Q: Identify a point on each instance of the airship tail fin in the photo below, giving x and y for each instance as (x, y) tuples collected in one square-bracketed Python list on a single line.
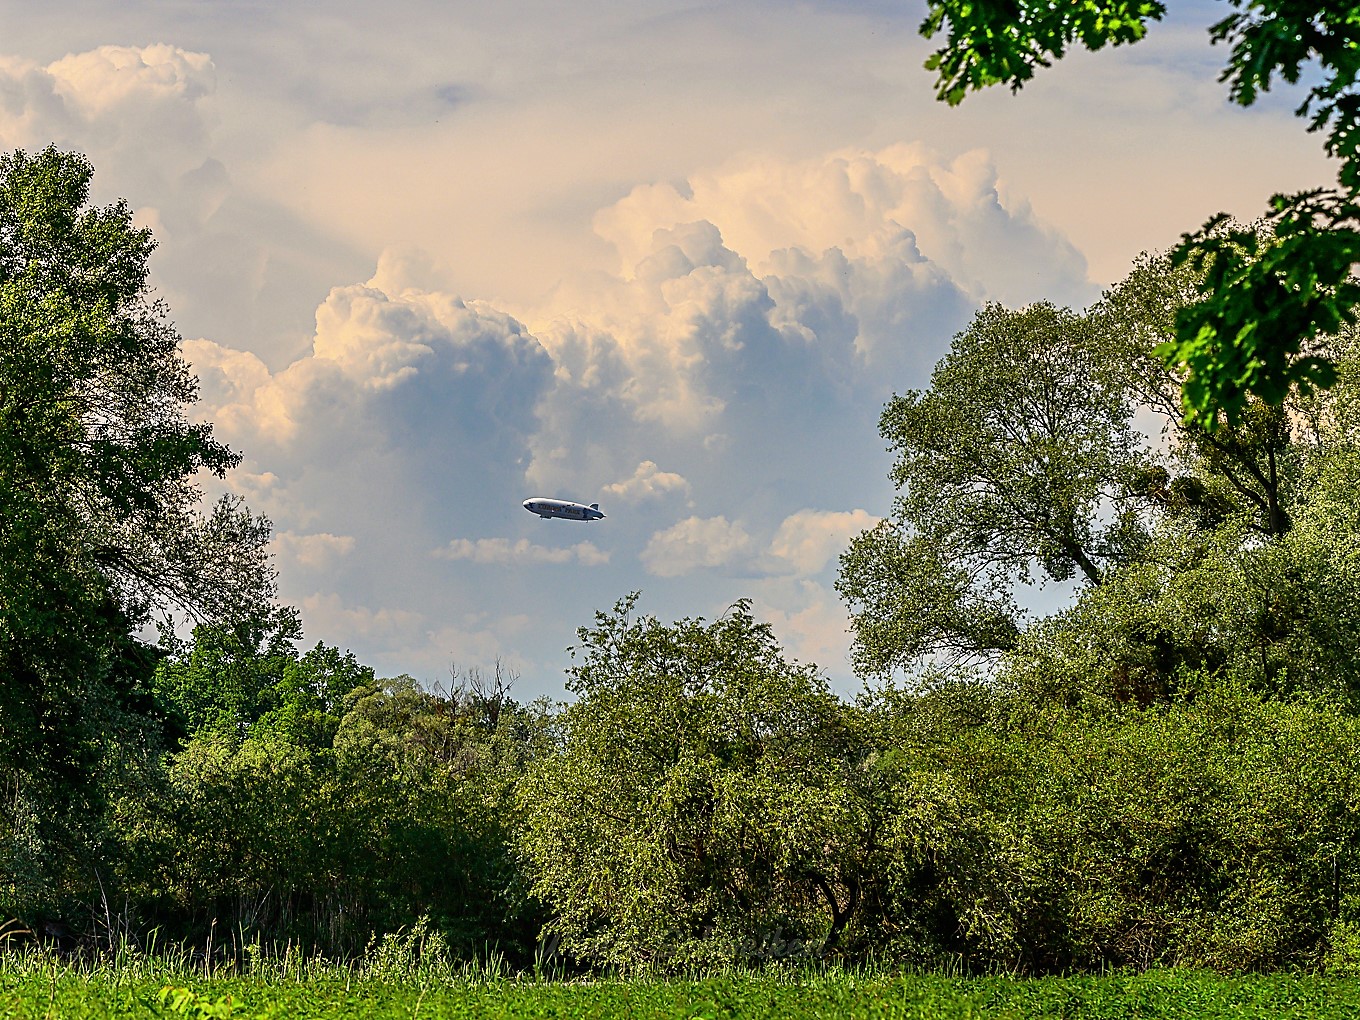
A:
[(594, 506)]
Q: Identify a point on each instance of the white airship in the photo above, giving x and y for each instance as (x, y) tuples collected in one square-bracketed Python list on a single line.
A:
[(564, 508)]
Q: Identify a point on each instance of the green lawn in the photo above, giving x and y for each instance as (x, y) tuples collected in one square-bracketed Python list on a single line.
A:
[(65, 993)]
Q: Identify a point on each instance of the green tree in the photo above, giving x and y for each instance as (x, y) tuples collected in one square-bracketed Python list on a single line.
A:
[(1025, 828), (705, 806), (1016, 461), (1252, 464), (309, 701), (1203, 834), (428, 781), (94, 436), (1247, 572), (228, 674), (1277, 616), (1264, 295), (99, 519), (1021, 458), (911, 599), (322, 823)]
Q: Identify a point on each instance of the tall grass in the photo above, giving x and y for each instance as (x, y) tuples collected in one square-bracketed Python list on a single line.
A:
[(411, 973), (418, 954)]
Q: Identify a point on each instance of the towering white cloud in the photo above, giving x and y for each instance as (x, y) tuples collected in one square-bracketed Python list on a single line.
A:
[(776, 294), (382, 353), (408, 421), (902, 204), (659, 289), (145, 107), (100, 81), (419, 419)]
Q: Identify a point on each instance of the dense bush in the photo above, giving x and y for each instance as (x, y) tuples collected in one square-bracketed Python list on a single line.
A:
[(1215, 832), (325, 818), (705, 806)]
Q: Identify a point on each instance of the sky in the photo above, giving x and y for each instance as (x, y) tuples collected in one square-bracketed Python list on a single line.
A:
[(432, 259)]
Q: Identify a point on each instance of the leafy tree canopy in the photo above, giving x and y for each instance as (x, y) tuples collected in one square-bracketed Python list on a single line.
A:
[(1021, 463), (97, 457), (99, 520), (700, 808), (1014, 463), (1263, 294)]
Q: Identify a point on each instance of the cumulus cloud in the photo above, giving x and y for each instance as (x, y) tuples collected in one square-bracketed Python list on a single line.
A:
[(810, 539), (384, 628), (139, 104), (776, 294), (233, 386), (708, 346), (380, 347), (694, 544), (314, 551), (750, 360), (657, 341), (98, 81), (503, 551), (810, 623), (864, 204), (164, 127), (408, 418), (649, 482), (747, 351)]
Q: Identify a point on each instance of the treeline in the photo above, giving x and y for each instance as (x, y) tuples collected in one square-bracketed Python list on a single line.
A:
[(1165, 772), (705, 802)]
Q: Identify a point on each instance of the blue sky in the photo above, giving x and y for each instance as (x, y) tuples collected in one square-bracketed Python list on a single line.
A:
[(430, 259)]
